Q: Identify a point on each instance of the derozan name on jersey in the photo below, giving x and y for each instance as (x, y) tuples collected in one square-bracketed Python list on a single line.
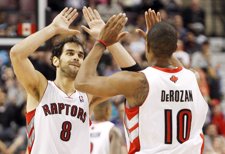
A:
[(176, 96), (67, 109)]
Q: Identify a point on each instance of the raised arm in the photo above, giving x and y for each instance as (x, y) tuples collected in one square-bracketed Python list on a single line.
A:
[(151, 18), (95, 23), (125, 83), (33, 81)]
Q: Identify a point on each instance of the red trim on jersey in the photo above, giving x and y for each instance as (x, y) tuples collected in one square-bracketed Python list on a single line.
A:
[(134, 146), (29, 149), (134, 127), (30, 115), (168, 70), (131, 112), (202, 148)]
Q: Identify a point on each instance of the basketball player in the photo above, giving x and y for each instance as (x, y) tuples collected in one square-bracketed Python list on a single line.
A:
[(58, 114), (105, 137), (165, 110)]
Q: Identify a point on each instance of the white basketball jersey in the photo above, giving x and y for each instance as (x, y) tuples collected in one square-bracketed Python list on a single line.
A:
[(60, 123), (171, 118), (99, 136)]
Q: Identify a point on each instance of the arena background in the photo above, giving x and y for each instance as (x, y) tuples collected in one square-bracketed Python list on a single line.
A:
[(201, 45)]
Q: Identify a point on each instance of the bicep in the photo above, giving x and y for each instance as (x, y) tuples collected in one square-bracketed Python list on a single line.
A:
[(33, 81)]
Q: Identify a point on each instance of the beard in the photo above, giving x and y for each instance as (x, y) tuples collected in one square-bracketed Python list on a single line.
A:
[(69, 71)]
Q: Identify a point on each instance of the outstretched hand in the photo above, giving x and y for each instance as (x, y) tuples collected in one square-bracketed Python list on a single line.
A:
[(151, 18), (63, 20), (94, 21), (112, 31)]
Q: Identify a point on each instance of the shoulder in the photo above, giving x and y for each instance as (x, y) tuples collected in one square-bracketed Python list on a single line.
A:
[(136, 86), (129, 81), (128, 76)]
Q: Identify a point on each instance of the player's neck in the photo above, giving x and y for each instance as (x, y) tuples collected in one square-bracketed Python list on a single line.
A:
[(162, 62), (65, 84)]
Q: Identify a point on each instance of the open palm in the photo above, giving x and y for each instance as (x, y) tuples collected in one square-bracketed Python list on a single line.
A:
[(112, 31), (94, 22), (63, 20), (151, 18)]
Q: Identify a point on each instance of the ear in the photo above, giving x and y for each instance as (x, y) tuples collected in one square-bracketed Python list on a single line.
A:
[(55, 61)]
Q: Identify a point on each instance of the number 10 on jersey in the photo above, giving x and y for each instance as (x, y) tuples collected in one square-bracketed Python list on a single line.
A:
[(182, 125)]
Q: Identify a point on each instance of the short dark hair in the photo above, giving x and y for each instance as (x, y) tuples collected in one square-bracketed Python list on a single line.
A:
[(57, 47), (162, 39)]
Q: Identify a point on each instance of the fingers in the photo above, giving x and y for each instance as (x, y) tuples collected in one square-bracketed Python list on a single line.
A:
[(117, 22), (72, 15), (85, 13), (154, 18), (121, 35), (64, 11), (116, 25), (121, 20), (97, 15), (147, 20), (90, 14), (86, 29), (141, 32), (159, 17), (151, 18), (69, 14), (109, 22), (111, 33)]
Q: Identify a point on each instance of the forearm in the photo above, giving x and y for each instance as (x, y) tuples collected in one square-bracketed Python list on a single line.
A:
[(121, 56), (89, 66), (30, 44)]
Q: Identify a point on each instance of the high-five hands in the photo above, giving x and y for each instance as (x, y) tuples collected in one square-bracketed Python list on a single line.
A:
[(112, 31), (151, 18), (63, 20), (94, 21)]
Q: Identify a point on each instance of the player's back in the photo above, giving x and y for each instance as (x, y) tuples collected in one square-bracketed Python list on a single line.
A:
[(99, 137), (59, 124), (170, 120)]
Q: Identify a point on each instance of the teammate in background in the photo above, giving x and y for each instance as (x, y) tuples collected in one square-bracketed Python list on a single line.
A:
[(105, 137), (165, 110), (57, 114)]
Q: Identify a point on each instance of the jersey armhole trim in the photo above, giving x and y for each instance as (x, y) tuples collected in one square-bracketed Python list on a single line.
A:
[(29, 115)]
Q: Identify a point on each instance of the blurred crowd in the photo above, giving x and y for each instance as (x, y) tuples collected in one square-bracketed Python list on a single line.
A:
[(193, 50)]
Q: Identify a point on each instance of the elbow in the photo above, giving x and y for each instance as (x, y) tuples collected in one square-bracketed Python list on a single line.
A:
[(13, 53)]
